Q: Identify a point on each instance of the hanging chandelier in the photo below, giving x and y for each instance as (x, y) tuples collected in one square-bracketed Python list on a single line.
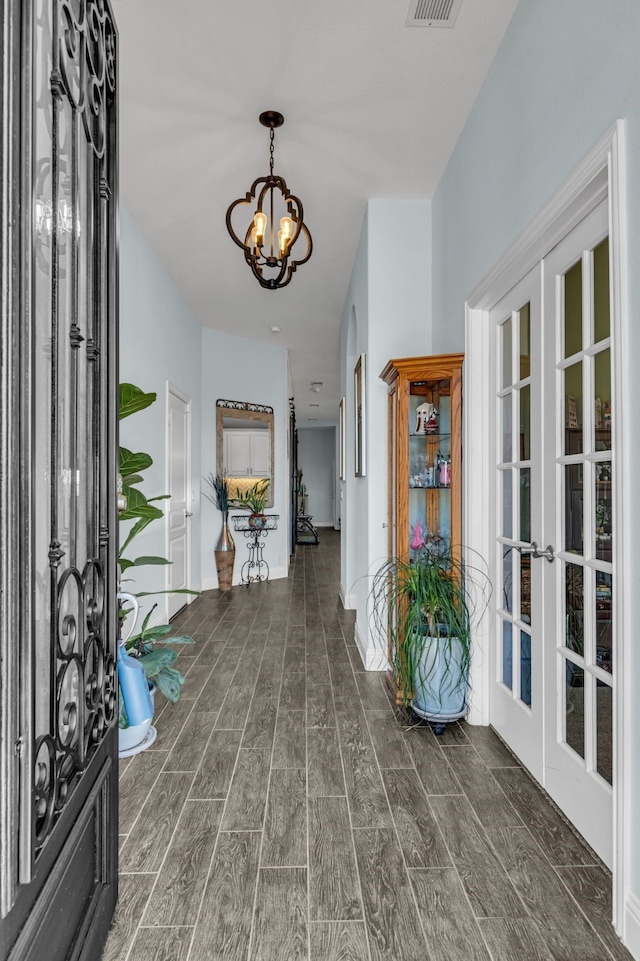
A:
[(268, 249)]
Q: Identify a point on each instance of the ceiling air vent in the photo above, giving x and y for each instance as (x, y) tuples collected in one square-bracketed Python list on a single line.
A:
[(433, 13)]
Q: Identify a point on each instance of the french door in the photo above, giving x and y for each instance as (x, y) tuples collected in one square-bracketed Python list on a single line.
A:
[(553, 656), (58, 520)]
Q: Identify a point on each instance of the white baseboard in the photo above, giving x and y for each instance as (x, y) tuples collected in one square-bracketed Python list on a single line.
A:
[(348, 601), (632, 925), (373, 660), (275, 573)]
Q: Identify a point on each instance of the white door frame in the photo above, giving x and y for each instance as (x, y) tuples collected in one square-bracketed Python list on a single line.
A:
[(600, 176), (172, 389)]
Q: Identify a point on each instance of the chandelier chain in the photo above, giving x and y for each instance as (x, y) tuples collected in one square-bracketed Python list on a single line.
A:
[(271, 149)]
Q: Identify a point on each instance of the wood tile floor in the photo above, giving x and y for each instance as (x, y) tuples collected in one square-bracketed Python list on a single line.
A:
[(285, 814)]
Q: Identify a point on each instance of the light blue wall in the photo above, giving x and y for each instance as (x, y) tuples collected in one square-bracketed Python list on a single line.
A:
[(234, 368), (387, 314), (563, 74), (316, 459), (159, 344), (566, 70)]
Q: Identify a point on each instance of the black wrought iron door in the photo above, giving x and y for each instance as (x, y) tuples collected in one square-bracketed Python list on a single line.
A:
[(58, 439)]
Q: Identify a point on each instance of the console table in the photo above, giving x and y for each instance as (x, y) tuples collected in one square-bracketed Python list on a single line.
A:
[(255, 568)]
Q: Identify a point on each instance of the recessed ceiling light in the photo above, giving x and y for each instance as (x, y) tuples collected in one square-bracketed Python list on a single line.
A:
[(317, 383), (314, 405), (316, 390), (312, 418), (274, 330)]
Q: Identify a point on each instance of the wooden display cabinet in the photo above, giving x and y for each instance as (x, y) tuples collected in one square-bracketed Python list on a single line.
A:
[(425, 452)]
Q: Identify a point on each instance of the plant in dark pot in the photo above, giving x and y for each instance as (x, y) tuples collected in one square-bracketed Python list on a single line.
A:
[(424, 608), (254, 500), (225, 549)]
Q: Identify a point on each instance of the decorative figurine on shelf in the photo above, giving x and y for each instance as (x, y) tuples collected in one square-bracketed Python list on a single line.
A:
[(417, 536), (426, 419)]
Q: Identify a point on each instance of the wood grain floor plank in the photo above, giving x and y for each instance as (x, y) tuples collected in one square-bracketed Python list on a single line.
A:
[(449, 926), (169, 722), (563, 926), (591, 888), (485, 880), (290, 746), (247, 797), (365, 791), (146, 846), (213, 776), (235, 707), (213, 693), (509, 940), (371, 689), (293, 693), (320, 711), (487, 798), (162, 944), (223, 929), (191, 744), (388, 738), (333, 879), (420, 838), (261, 723), (343, 681), (430, 762), (394, 931), (491, 749), (324, 766), (135, 785), (280, 926), (176, 896), (285, 827), (558, 841), (133, 893), (338, 941)]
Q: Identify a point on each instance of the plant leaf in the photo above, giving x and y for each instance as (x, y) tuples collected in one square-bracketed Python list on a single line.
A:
[(155, 660), (132, 462), (135, 498), (143, 511), (169, 680), (137, 527), (132, 399)]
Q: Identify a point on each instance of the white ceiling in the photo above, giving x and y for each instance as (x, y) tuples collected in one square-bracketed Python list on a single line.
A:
[(372, 109)]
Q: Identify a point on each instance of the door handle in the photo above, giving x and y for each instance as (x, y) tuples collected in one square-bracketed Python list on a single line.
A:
[(188, 514), (534, 551)]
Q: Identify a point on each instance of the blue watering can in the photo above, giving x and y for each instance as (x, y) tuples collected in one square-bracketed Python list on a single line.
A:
[(131, 676)]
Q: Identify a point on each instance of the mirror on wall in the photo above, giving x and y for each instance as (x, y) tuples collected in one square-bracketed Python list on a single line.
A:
[(244, 435)]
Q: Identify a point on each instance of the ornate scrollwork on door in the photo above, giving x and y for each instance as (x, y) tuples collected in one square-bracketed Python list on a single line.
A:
[(85, 702)]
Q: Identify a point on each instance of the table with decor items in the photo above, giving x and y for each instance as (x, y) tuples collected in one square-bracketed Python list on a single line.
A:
[(255, 528)]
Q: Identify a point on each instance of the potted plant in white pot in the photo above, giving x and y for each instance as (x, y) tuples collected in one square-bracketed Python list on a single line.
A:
[(424, 608)]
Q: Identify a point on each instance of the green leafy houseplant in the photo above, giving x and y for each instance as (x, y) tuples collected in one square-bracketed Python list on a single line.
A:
[(423, 608), (157, 662), (254, 499)]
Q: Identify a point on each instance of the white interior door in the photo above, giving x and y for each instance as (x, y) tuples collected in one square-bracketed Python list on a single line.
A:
[(579, 520), (552, 659), (179, 514), (516, 666)]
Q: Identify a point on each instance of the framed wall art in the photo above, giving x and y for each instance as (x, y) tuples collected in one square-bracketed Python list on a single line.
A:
[(359, 392)]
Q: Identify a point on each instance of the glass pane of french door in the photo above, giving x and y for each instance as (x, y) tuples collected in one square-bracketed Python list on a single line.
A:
[(580, 661)]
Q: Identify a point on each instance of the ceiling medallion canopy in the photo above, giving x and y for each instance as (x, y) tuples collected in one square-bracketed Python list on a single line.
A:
[(277, 223)]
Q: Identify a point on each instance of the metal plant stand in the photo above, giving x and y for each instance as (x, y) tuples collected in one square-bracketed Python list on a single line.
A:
[(255, 530)]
